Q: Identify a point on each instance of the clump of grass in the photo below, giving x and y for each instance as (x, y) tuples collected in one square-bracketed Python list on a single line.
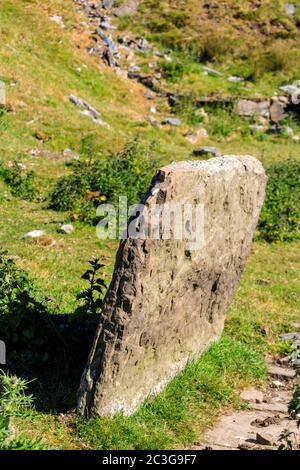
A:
[(204, 386), (213, 47), (274, 58), (20, 182), (280, 217)]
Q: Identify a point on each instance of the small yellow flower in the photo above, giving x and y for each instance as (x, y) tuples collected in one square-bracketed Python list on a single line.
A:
[(103, 198)]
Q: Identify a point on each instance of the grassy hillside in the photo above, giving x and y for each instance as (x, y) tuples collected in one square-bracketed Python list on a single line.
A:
[(42, 64)]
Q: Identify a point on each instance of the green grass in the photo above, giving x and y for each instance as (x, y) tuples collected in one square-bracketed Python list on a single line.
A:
[(41, 65), (266, 304)]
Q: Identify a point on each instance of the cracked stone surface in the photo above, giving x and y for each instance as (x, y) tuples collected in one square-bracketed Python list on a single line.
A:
[(167, 302)]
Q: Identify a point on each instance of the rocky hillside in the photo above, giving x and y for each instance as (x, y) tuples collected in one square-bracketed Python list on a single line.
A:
[(175, 74)]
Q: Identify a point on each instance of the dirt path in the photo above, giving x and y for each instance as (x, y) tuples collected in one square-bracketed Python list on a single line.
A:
[(261, 425)]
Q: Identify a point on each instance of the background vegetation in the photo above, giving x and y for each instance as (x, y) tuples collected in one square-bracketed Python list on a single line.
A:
[(42, 64)]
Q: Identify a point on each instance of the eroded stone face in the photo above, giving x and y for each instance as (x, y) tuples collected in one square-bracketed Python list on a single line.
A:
[(166, 303)]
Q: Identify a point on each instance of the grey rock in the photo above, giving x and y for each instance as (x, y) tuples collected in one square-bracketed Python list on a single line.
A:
[(289, 336), (109, 58), (248, 108), (58, 20), (264, 438), (204, 151), (252, 395), (108, 41), (277, 110), (289, 89), (108, 4), (2, 94), (34, 234), (149, 95), (167, 300), (234, 79), (66, 228), (170, 121), (211, 71), (281, 373), (88, 110), (290, 9), (68, 153)]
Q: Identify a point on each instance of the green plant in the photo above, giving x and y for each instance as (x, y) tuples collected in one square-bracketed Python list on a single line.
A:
[(21, 184), (14, 402), (289, 439), (280, 217), (126, 173), (24, 324), (294, 404), (91, 299)]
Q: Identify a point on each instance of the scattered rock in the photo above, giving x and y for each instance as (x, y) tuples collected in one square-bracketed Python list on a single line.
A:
[(89, 110), (264, 439), (66, 228), (58, 20), (290, 9), (170, 121), (67, 153), (107, 4), (204, 151), (105, 24), (154, 122), (249, 108), (210, 71), (252, 395), (281, 373), (235, 79), (2, 94), (246, 445), (278, 384), (149, 95), (289, 336), (108, 41), (269, 407), (265, 422), (109, 58), (34, 234), (284, 361), (290, 89), (194, 138), (277, 110)]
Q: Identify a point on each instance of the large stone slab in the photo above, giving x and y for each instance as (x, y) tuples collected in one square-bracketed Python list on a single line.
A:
[(168, 298)]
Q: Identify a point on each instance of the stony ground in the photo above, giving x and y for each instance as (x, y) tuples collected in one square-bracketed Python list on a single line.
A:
[(265, 423)]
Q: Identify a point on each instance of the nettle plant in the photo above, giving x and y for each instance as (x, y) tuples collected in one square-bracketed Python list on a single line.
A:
[(91, 299), (26, 327)]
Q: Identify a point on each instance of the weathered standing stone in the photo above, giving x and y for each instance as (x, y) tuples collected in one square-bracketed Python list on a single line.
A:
[(166, 303)]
